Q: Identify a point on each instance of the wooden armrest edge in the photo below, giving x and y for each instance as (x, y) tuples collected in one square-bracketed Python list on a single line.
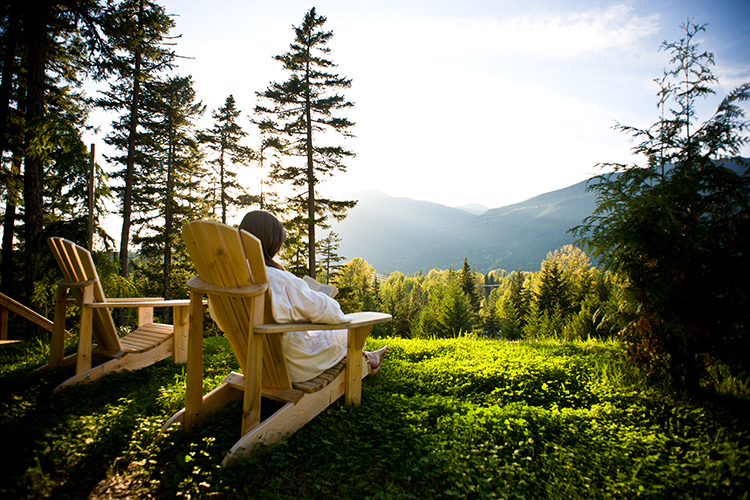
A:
[(196, 284), (358, 320)]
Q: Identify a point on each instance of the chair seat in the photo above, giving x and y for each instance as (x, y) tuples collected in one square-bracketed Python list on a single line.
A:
[(322, 380), (146, 337)]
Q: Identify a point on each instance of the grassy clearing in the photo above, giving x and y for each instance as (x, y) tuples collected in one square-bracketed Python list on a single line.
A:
[(457, 418)]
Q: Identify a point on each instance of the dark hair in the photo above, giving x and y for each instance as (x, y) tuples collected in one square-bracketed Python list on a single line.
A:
[(269, 230)]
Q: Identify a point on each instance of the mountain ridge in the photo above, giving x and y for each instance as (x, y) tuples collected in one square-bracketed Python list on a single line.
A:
[(402, 234)]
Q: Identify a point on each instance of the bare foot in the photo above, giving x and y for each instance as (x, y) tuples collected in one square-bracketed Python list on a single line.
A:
[(375, 359)]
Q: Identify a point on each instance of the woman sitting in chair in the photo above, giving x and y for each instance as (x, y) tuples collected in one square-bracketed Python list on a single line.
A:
[(308, 354)]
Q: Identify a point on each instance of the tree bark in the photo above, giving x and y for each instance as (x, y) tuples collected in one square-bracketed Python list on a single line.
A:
[(310, 178), (36, 18), (168, 225), (11, 42), (9, 228), (127, 198)]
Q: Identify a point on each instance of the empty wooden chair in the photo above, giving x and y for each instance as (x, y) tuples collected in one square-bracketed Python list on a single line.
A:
[(232, 272), (100, 350)]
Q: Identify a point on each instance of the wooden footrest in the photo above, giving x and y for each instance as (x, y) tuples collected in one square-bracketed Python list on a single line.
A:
[(322, 380), (146, 337)]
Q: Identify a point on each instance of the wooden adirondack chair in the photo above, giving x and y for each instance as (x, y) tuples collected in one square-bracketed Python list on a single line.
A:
[(149, 343), (231, 271)]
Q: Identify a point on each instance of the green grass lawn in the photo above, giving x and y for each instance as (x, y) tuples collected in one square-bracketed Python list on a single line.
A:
[(444, 419)]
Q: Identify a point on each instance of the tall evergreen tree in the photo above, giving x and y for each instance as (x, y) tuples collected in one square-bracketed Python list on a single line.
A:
[(138, 32), (554, 292), (11, 136), (330, 259), (223, 140), (469, 286), (167, 196), (301, 109), (448, 311), (678, 228), (46, 48), (271, 147), (394, 294)]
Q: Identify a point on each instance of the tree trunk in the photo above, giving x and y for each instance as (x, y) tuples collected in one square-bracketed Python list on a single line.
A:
[(11, 199), (168, 223), (310, 180), (127, 198), (7, 76), (222, 182), (7, 274), (33, 188)]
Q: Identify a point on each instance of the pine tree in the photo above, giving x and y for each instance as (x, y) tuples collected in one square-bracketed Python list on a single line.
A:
[(223, 140), (294, 251), (46, 49), (677, 229), (271, 148), (554, 291), (137, 31), (469, 286), (300, 110), (11, 136), (330, 259), (395, 293), (166, 195)]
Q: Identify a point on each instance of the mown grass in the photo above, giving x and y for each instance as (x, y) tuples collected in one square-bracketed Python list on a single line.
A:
[(460, 418)]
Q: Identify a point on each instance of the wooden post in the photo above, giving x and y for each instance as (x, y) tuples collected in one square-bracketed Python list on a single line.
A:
[(92, 177)]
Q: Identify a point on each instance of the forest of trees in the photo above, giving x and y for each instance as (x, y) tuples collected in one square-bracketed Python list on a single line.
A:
[(568, 299), (161, 169)]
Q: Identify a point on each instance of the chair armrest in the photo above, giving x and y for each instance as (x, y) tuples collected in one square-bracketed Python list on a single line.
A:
[(76, 284), (196, 284), (359, 320), (139, 302)]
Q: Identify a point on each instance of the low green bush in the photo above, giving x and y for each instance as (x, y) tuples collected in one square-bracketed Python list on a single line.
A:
[(453, 418)]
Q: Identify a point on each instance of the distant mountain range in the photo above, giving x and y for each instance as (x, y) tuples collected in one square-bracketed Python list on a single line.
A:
[(401, 234)]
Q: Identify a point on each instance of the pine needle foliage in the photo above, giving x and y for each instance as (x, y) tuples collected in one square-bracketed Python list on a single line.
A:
[(678, 228), (299, 111)]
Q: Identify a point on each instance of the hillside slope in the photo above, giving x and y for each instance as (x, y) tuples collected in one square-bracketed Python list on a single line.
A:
[(409, 236), (383, 227)]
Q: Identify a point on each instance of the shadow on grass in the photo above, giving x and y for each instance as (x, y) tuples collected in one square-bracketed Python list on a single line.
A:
[(62, 445)]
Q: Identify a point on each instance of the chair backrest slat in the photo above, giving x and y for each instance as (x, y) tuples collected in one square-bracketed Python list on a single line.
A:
[(77, 266), (225, 256)]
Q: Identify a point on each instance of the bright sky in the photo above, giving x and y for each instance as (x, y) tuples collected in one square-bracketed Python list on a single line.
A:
[(470, 101)]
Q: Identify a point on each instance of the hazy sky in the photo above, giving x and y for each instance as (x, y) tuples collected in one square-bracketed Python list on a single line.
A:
[(470, 101)]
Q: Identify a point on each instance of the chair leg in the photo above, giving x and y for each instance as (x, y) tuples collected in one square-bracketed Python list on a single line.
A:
[(57, 339), (85, 337), (251, 403), (180, 322), (3, 323), (354, 368), (287, 420), (194, 375), (213, 401)]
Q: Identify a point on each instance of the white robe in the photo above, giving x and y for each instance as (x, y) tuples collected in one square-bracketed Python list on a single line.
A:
[(308, 354)]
